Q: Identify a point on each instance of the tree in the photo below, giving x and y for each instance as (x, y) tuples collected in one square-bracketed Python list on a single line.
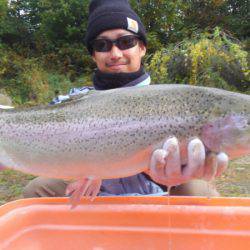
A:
[(14, 28), (163, 20), (62, 21), (238, 18), (229, 15)]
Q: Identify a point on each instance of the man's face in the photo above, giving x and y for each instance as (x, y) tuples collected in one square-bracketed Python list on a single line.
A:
[(116, 60)]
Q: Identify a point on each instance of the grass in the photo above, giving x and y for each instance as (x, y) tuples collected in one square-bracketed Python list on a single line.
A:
[(234, 182), (11, 185)]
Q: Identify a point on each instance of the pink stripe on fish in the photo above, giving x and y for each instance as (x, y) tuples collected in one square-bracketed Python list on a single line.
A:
[(2, 167)]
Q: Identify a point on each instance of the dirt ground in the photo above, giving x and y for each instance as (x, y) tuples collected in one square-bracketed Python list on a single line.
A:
[(234, 182)]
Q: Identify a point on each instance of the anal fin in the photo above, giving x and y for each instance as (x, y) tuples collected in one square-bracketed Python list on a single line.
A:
[(87, 187)]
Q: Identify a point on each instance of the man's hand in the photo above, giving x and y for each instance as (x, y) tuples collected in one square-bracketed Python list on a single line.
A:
[(166, 163)]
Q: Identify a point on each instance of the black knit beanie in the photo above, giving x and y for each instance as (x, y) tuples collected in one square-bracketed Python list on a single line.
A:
[(112, 14)]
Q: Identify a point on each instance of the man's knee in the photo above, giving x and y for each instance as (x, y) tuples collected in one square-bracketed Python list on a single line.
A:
[(195, 188), (45, 187)]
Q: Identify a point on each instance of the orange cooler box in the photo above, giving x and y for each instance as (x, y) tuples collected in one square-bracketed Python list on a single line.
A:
[(177, 223)]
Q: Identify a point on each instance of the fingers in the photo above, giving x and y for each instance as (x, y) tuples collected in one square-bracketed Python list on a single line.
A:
[(173, 160), (165, 166), (204, 166), (211, 166), (215, 165), (223, 161), (158, 162), (196, 159)]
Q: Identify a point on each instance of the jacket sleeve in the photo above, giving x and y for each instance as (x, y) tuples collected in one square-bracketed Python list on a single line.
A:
[(72, 92)]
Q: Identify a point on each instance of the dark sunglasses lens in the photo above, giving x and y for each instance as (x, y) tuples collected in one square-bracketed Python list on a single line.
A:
[(123, 43), (102, 45), (126, 42)]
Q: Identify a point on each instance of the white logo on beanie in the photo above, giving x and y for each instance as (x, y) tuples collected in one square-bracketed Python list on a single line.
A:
[(132, 25)]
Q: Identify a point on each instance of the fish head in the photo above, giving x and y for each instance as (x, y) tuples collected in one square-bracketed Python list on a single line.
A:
[(228, 128), (229, 134)]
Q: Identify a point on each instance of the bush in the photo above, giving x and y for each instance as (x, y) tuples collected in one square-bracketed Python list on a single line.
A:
[(213, 60), (70, 60), (29, 82)]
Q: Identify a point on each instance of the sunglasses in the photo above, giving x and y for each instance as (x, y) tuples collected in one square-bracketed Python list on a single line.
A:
[(123, 43)]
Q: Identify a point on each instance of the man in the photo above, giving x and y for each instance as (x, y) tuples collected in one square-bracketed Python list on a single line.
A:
[(116, 40)]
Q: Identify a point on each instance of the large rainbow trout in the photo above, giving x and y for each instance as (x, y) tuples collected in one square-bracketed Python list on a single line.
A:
[(111, 134)]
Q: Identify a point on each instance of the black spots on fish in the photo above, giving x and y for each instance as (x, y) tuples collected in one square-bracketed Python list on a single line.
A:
[(162, 127), (210, 96), (231, 102), (171, 126), (134, 141), (196, 130), (197, 94), (174, 101), (69, 149), (179, 113), (245, 109), (191, 127)]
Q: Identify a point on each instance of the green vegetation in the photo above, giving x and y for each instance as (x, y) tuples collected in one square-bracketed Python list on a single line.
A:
[(195, 42), (208, 59), (11, 185)]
